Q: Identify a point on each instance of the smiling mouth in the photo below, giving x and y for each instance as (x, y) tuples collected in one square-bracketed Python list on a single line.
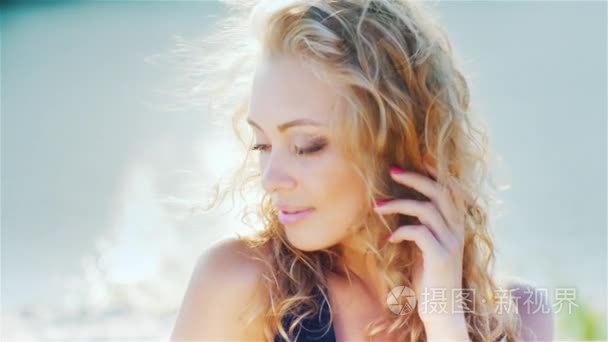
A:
[(294, 212)]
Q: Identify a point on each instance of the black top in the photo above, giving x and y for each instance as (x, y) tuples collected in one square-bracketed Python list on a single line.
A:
[(315, 328)]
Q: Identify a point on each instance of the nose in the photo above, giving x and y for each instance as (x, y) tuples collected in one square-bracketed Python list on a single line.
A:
[(275, 177)]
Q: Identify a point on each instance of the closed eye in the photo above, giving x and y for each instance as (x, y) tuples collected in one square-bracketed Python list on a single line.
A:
[(311, 149), (315, 147), (260, 147)]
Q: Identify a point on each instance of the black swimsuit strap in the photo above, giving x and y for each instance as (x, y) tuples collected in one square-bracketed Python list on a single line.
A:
[(315, 328)]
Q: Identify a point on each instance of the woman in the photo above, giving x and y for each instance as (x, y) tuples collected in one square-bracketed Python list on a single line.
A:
[(373, 176)]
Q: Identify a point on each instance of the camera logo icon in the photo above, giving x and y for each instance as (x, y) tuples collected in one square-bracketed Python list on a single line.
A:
[(403, 306)]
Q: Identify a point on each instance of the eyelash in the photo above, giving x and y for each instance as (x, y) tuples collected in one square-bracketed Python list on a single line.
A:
[(315, 147)]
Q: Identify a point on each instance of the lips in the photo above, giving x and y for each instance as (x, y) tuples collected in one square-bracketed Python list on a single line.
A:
[(291, 209), (286, 217)]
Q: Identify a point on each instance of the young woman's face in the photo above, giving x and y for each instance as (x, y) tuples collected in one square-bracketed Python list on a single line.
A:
[(301, 165)]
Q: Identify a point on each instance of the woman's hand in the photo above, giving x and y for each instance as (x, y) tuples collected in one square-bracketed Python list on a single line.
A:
[(440, 238)]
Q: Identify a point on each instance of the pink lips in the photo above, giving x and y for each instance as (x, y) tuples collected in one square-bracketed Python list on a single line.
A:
[(285, 217)]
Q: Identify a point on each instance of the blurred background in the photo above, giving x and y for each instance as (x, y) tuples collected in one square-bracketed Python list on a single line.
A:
[(96, 242)]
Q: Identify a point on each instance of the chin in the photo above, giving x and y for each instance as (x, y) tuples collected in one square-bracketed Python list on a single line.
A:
[(305, 241)]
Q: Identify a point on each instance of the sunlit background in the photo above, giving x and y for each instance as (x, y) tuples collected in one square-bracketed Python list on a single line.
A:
[(96, 243)]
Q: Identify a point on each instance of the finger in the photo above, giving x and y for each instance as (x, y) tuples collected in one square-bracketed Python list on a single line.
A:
[(455, 188), (437, 193), (459, 211), (432, 170), (426, 212), (421, 235)]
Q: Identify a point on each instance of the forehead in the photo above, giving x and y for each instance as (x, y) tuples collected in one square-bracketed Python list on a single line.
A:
[(285, 88)]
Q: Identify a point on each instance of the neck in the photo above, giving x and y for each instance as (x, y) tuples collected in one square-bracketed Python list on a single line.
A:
[(360, 267)]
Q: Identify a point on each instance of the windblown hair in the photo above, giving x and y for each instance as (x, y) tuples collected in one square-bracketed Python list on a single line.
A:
[(408, 104)]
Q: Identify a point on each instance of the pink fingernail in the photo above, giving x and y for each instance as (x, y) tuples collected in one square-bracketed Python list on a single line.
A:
[(397, 170), (380, 202)]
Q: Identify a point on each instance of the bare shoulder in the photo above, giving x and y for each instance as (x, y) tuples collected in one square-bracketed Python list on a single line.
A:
[(533, 305), (225, 281)]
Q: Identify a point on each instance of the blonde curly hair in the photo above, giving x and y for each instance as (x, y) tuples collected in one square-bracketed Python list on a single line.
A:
[(408, 105)]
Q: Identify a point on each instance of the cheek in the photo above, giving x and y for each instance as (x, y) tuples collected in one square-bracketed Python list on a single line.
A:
[(339, 192), (335, 191)]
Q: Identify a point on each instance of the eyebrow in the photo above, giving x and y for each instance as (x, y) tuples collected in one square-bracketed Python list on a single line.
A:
[(284, 126)]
